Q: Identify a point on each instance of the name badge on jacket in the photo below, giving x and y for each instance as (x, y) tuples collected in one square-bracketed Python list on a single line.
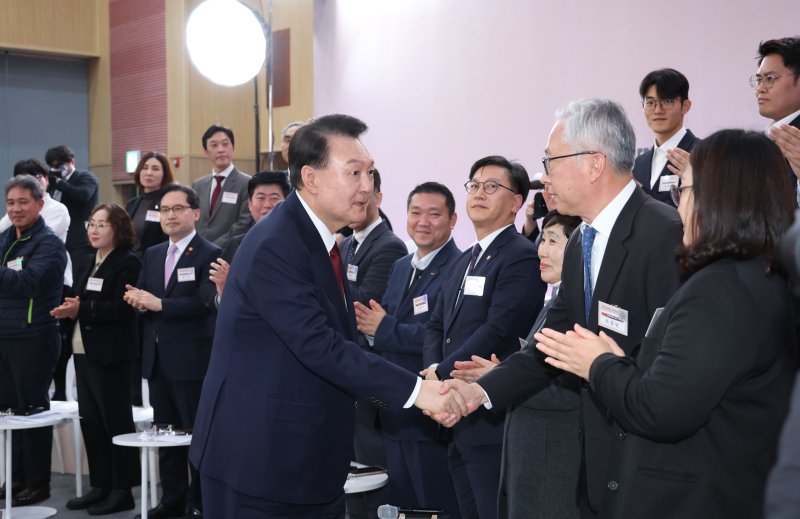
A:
[(94, 284), (612, 317), (473, 285), (15, 264), (185, 274), (421, 304), (352, 272), (152, 216), (229, 197), (666, 182)]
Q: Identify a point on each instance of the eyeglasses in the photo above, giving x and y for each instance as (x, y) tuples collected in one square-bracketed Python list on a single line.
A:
[(649, 104), (96, 225), (675, 193), (177, 209), (768, 80), (489, 187), (547, 160)]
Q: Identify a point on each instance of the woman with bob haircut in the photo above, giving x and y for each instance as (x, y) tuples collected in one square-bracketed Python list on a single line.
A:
[(152, 175), (700, 407)]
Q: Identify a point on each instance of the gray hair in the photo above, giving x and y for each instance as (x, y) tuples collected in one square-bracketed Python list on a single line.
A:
[(26, 182), (596, 124), (293, 125)]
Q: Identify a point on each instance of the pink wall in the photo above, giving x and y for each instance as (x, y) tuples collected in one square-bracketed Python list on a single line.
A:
[(442, 83)]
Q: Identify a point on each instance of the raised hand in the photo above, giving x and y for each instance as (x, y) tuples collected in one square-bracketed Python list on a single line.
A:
[(369, 318), (788, 140), (575, 351), (218, 274), (472, 370), (439, 401), (67, 309), (679, 163), (141, 299)]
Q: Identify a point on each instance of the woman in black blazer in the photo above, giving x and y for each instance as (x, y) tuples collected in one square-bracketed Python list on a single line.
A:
[(701, 405), (105, 350), (152, 175)]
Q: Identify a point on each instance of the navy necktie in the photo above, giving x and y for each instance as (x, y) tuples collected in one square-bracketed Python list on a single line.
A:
[(586, 243), (351, 252), (476, 251)]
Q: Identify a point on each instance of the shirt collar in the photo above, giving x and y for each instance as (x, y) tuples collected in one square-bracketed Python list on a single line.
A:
[(327, 236), (604, 222), (673, 141), (225, 172), (424, 262), (786, 120), (184, 242), (361, 235), (487, 240)]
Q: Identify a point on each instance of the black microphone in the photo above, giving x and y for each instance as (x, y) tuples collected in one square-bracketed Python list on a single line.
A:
[(393, 512)]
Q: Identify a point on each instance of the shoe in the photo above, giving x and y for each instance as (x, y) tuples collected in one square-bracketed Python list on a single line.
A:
[(16, 488), (117, 501), (31, 495), (95, 495), (193, 513), (60, 395), (163, 512)]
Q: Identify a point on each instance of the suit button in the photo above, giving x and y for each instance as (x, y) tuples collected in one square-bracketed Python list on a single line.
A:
[(613, 485), (447, 341), (621, 435)]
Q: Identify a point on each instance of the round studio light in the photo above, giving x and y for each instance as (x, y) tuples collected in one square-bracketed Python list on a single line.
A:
[(226, 42)]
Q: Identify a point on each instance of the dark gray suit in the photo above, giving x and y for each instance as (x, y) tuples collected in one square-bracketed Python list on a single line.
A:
[(638, 274), (228, 219)]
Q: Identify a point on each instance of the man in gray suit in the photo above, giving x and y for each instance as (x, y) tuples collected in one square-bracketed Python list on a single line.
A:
[(223, 193)]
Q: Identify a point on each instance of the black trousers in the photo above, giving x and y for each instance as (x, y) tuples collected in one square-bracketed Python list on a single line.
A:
[(26, 368), (175, 402), (104, 401)]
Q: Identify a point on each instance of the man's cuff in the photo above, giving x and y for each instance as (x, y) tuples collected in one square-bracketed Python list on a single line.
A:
[(370, 340), (488, 403), (414, 394)]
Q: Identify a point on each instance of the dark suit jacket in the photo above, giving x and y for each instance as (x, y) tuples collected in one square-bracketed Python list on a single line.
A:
[(276, 414), (208, 289), (109, 326), (400, 335), (153, 234), (183, 331), (644, 165), (796, 123), (638, 274), (80, 195), (782, 498), (701, 406), (374, 259), (481, 325), (228, 220)]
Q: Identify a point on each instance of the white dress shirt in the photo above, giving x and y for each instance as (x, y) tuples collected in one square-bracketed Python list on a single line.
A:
[(660, 156), (603, 223)]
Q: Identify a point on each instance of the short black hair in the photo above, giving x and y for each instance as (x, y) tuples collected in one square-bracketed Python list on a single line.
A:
[(191, 194), (263, 178), (26, 182), (59, 155), (376, 179), (516, 173), (216, 128), (310, 142), (786, 48), (669, 84), (438, 189), (569, 223), (31, 167)]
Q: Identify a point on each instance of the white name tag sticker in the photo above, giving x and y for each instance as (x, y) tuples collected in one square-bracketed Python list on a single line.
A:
[(473, 286), (152, 216), (352, 272), (613, 318), (421, 304), (186, 274), (94, 284), (15, 264), (229, 197), (666, 182)]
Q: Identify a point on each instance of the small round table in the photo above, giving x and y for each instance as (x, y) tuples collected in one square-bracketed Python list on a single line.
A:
[(147, 442), (12, 423)]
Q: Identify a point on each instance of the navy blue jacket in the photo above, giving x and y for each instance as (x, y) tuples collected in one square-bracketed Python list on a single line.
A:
[(28, 295)]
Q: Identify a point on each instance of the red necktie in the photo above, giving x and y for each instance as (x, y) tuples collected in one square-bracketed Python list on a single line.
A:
[(336, 263), (215, 194)]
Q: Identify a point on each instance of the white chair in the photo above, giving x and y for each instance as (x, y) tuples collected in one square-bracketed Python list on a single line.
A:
[(143, 418), (70, 406)]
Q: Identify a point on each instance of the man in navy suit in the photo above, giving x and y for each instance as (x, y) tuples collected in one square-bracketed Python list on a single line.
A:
[(491, 300), (274, 431), (665, 99), (177, 331), (415, 450)]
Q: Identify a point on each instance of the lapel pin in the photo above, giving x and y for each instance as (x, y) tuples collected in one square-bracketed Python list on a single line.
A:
[(488, 258)]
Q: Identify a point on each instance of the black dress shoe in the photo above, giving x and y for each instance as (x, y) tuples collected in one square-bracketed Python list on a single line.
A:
[(16, 488), (31, 495), (95, 495), (163, 511), (193, 513), (117, 501)]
